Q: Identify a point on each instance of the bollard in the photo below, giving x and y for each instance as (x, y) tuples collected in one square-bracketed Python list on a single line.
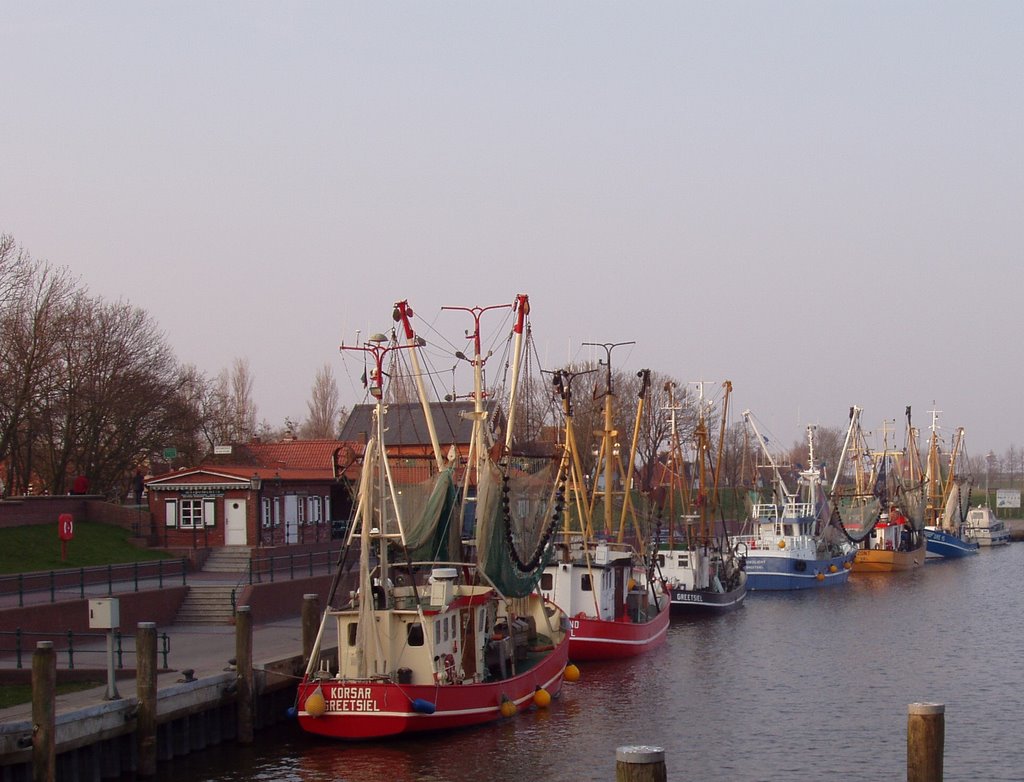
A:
[(310, 623), (244, 676), (640, 764), (44, 713), (926, 735), (145, 686)]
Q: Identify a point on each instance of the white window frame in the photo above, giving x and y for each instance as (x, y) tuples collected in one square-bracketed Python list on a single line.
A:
[(316, 504), (190, 513)]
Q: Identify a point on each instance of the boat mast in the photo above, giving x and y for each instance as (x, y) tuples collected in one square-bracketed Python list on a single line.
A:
[(521, 306), (608, 435), (677, 467), (479, 445), (402, 313), (780, 484), (562, 382), (933, 473)]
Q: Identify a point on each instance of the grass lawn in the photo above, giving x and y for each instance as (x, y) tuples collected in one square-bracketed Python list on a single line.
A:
[(13, 694), (37, 547)]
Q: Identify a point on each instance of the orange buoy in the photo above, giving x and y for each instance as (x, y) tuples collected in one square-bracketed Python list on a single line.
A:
[(542, 698), (571, 673), (508, 708), (315, 705)]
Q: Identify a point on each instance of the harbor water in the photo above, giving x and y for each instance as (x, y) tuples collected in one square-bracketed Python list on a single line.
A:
[(792, 686)]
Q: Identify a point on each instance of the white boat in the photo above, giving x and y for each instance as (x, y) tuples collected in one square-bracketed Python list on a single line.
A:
[(702, 569), (983, 528)]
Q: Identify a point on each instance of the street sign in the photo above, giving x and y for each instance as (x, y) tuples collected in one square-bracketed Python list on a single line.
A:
[(170, 453), (1007, 498)]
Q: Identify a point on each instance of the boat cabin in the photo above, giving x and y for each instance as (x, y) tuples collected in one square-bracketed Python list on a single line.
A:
[(440, 632), (889, 534), (595, 587)]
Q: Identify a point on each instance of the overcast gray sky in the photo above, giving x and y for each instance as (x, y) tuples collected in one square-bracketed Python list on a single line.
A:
[(818, 200)]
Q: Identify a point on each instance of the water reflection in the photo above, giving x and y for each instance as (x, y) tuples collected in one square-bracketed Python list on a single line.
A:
[(792, 686)]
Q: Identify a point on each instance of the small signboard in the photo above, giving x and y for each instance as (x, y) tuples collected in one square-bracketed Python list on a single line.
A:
[(222, 449), (170, 453), (1007, 498)]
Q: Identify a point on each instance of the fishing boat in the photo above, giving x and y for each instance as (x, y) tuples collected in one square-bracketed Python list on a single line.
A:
[(426, 638), (884, 514), (700, 564), (945, 512), (984, 528), (794, 541), (604, 582)]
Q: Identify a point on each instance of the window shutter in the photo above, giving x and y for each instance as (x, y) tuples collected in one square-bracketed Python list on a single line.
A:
[(171, 513), (210, 512)]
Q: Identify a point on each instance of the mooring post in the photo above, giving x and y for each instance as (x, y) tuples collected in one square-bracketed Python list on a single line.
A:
[(640, 764), (310, 623), (145, 690), (926, 736), (243, 662), (44, 712)]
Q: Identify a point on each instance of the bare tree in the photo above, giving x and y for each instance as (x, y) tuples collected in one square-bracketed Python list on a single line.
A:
[(325, 411)]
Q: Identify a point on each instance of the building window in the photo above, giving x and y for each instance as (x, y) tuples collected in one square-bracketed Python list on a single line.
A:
[(300, 512), (190, 514), (265, 513)]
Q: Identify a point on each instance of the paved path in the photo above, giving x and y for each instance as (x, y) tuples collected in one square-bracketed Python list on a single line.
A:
[(203, 648)]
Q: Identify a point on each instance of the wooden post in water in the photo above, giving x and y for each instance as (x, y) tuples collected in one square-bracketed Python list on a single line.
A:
[(640, 764), (244, 678), (926, 735), (145, 689), (310, 623), (44, 712)]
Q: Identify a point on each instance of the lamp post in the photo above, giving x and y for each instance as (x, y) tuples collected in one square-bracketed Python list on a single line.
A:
[(255, 484)]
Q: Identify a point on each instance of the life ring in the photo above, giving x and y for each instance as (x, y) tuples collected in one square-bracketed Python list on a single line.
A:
[(449, 668)]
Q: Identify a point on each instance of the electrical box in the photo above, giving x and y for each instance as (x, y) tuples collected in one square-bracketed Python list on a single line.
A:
[(104, 614)]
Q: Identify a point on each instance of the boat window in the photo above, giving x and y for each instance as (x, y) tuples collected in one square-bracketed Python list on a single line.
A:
[(437, 633), (415, 636), (585, 583), (445, 623), (547, 582), (661, 560), (352, 627)]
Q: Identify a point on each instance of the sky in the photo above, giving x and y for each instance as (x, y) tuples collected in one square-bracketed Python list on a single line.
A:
[(820, 201)]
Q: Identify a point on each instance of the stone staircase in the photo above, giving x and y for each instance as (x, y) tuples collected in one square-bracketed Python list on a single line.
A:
[(209, 601)]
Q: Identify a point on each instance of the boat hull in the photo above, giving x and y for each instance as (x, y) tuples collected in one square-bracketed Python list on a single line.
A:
[(888, 560), (605, 639), (686, 601), (768, 571), (948, 546), (375, 710)]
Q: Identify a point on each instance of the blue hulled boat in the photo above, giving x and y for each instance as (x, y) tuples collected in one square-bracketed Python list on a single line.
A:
[(793, 543)]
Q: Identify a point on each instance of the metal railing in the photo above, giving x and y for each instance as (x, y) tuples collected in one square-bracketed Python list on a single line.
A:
[(77, 644), (122, 578), (291, 566)]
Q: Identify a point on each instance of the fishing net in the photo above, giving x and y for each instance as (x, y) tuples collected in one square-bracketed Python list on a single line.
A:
[(426, 509), (515, 516)]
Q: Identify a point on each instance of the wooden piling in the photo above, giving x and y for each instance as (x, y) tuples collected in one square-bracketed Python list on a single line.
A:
[(244, 679), (926, 735), (145, 689), (640, 764), (44, 712), (310, 623)]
